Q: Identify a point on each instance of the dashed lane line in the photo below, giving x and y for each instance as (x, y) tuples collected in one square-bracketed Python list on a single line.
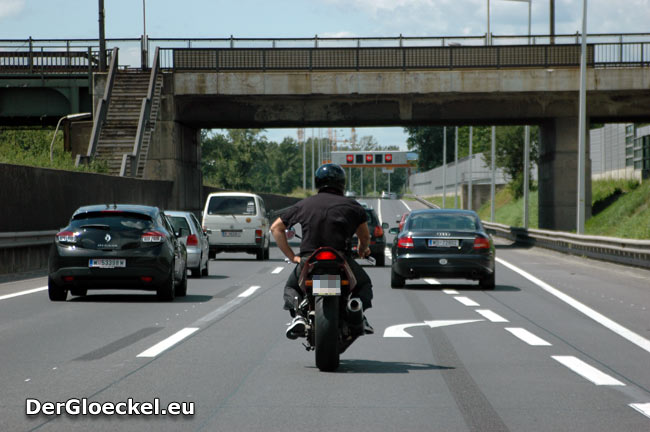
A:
[(277, 270), (250, 291), (165, 344), (587, 371), (466, 301), (527, 336), (491, 316), (596, 316), (22, 293)]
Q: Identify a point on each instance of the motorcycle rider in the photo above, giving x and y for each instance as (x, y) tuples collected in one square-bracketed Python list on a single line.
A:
[(327, 219)]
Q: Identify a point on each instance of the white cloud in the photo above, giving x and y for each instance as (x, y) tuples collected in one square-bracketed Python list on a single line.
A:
[(11, 7)]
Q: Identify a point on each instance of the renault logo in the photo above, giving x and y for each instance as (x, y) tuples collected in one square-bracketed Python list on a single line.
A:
[(107, 238)]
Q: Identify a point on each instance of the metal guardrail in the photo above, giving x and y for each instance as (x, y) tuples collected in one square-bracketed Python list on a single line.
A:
[(26, 238), (630, 252), (145, 112)]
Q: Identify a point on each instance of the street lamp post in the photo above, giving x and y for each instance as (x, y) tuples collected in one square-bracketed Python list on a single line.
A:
[(444, 167), (582, 120), (456, 168), (77, 116)]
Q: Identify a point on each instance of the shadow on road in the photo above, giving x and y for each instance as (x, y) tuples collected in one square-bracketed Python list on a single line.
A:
[(385, 367), (137, 298)]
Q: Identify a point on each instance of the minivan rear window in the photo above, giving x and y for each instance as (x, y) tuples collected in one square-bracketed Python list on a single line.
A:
[(231, 205)]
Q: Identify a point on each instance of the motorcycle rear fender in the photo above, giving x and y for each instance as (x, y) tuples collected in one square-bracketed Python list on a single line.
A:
[(311, 263)]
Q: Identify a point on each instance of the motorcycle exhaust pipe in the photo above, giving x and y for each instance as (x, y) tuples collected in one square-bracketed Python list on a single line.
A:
[(355, 315)]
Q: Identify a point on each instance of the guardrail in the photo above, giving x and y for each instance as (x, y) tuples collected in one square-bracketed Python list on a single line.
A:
[(26, 238), (24, 251), (612, 249)]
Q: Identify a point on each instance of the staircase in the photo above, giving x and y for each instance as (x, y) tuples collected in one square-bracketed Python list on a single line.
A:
[(118, 133)]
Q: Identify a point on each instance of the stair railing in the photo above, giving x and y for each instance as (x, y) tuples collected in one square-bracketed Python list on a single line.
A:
[(101, 111), (133, 159)]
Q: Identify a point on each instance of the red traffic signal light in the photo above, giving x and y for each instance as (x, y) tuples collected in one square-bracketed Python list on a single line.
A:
[(388, 157), (349, 158), (368, 158)]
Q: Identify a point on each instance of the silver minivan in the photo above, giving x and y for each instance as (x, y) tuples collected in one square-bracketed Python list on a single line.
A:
[(189, 230), (237, 222)]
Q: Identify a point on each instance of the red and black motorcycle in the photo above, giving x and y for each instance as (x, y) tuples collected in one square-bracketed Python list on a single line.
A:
[(333, 311)]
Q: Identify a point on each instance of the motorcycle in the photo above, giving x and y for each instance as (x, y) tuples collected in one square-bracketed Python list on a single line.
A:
[(333, 312)]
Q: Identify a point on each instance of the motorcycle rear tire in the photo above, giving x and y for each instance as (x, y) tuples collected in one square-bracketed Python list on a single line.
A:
[(327, 333)]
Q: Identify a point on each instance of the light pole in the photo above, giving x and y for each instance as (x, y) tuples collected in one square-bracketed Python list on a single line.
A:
[(487, 36), (145, 43), (469, 185), (102, 38), (456, 168), (77, 116), (493, 169), (444, 167), (582, 120)]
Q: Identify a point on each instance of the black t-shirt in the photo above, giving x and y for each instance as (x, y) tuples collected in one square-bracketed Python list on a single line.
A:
[(326, 219)]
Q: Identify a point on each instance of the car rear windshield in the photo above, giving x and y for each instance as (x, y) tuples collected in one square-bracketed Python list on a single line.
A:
[(179, 222), (115, 220), (452, 222), (231, 205), (372, 218)]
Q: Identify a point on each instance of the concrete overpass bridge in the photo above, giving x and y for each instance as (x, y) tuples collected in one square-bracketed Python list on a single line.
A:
[(396, 84)]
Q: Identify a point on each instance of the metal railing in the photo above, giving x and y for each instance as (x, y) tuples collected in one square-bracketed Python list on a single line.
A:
[(26, 238), (145, 112), (630, 252), (101, 111)]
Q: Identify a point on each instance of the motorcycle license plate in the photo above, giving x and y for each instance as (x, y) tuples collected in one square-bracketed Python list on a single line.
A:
[(326, 285)]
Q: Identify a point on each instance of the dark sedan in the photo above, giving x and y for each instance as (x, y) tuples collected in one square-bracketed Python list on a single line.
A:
[(117, 246), (445, 244)]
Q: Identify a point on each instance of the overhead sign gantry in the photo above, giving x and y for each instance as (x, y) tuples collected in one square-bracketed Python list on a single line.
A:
[(371, 159)]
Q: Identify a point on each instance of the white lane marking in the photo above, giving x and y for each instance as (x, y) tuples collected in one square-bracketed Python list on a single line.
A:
[(527, 336), (491, 316), (450, 291), (249, 291), (432, 281), (22, 293), (379, 211), (399, 330), (405, 205), (467, 301), (586, 371), (643, 408), (277, 270), (596, 316), (169, 342)]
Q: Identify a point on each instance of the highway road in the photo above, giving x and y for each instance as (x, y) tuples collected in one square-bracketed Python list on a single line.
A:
[(561, 344)]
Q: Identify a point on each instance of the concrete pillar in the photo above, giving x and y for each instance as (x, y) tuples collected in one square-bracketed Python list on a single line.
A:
[(175, 154), (558, 174)]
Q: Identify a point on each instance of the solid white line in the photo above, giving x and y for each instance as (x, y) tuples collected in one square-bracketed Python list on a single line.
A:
[(491, 316), (596, 316), (586, 371), (249, 291), (467, 301), (432, 281), (22, 293), (169, 342), (277, 270), (450, 291), (527, 336), (379, 211), (643, 408), (405, 205)]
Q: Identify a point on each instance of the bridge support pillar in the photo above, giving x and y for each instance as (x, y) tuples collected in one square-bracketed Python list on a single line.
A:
[(558, 174)]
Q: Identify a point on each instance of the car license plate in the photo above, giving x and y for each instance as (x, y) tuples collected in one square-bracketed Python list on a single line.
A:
[(443, 243), (231, 233), (107, 263), (326, 285)]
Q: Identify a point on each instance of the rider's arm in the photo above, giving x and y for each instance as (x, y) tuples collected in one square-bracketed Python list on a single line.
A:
[(363, 234), (278, 230)]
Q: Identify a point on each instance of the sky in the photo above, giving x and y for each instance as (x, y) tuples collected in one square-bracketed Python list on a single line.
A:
[(67, 19)]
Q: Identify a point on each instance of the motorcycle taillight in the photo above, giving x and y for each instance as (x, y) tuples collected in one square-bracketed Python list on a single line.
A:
[(325, 256)]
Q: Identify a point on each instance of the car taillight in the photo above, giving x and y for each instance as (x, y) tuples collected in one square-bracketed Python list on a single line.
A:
[(258, 233), (378, 231), (481, 243), (325, 256), (152, 237), (66, 237), (192, 240), (405, 243)]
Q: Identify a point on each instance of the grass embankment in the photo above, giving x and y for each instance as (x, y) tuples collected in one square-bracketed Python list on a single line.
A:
[(621, 208)]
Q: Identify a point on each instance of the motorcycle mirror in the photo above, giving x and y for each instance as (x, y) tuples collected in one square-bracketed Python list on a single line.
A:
[(290, 233)]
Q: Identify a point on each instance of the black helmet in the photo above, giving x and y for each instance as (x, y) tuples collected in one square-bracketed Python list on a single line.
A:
[(330, 176)]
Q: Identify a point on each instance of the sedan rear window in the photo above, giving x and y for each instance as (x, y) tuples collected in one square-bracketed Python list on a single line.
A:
[(228, 205), (179, 222), (113, 220), (455, 222)]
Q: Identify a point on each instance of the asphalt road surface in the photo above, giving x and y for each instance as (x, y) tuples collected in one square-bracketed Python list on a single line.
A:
[(561, 344)]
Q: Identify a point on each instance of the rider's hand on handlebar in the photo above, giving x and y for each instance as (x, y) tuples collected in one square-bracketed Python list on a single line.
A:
[(296, 259), (364, 253)]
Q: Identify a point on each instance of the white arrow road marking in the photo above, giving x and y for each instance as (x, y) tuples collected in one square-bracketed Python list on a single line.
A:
[(642, 408), (399, 330)]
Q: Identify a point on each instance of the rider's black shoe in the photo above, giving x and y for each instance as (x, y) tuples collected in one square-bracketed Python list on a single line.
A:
[(297, 328), (367, 328)]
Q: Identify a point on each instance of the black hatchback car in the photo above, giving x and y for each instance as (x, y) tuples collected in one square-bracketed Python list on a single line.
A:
[(114, 247), (377, 238), (445, 244)]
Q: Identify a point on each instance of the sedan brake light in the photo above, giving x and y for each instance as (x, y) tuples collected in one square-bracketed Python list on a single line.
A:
[(405, 243), (325, 256), (66, 237), (153, 237), (378, 231), (192, 240), (481, 243)]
